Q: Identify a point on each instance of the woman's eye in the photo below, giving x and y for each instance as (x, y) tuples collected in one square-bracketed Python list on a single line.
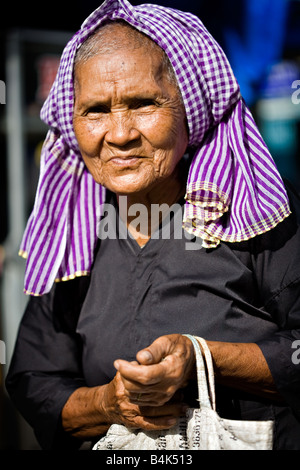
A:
[(144, 104), (98, 109)]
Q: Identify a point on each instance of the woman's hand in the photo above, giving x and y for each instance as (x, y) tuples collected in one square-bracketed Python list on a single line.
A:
[(148, 395), (121, 408), (143, 394)]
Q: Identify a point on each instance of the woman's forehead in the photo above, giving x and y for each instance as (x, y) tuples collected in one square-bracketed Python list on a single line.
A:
[(114, 36), (122, 60), (127, 72), (118, 48)]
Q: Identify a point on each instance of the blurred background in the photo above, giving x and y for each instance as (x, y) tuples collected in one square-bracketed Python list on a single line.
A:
[(262, 41)]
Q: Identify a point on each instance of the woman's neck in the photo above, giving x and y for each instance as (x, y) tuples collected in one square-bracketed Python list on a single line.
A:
[(137, 210)]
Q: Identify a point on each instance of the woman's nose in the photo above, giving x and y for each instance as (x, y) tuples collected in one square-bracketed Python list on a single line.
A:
[(121, 130)]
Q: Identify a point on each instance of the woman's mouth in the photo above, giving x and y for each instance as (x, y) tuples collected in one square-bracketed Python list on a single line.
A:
[(125, 161)]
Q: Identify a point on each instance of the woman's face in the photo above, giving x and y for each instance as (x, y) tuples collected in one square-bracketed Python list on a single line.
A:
[(128, 119)]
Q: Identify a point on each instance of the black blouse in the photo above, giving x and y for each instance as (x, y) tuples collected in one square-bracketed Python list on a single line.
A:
[(243, 292)]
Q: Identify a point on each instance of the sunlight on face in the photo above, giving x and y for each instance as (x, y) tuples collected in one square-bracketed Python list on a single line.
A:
[(129, 119)]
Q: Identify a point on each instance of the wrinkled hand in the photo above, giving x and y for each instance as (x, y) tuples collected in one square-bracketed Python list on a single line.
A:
[(146, 393)]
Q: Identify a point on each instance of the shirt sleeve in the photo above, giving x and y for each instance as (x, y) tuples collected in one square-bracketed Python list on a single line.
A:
[(46, 364), (276, 257)]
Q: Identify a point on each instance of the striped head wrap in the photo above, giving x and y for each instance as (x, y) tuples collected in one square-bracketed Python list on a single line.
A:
[(233, 193)]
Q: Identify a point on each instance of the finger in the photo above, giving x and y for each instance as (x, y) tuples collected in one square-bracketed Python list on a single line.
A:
[(169, 409), (148, 399), (153, 401), (160, 418), (156, 352), (117, 361), (156, 424), (134, 375), (149, 422), (149, 417), (157, 399)]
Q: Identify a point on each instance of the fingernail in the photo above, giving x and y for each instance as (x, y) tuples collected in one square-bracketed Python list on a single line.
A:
[(116, 364), (147, 356)]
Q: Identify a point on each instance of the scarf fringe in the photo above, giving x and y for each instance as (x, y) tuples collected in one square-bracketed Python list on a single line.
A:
[(201, 222)]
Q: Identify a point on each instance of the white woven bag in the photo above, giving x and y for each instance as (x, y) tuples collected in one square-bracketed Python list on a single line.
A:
[(206, 430), (201, 429)]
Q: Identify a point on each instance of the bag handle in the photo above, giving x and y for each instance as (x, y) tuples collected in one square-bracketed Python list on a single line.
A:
[(206, 396)]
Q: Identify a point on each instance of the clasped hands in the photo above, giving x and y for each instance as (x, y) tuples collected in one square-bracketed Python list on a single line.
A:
[(147, 393)]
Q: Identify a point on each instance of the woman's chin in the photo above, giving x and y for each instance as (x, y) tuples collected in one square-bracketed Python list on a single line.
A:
[(127, 184)]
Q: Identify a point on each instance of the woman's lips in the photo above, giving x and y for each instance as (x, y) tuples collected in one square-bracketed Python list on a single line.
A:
[(125, 161)]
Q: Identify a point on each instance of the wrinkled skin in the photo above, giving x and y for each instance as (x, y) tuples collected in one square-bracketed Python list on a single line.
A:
[(129, 122), (147, 392)]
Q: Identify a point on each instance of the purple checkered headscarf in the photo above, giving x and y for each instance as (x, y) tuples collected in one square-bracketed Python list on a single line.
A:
[(234, 191)]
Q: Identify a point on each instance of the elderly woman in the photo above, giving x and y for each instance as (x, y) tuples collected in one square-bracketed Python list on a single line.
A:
[(145, 110)]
